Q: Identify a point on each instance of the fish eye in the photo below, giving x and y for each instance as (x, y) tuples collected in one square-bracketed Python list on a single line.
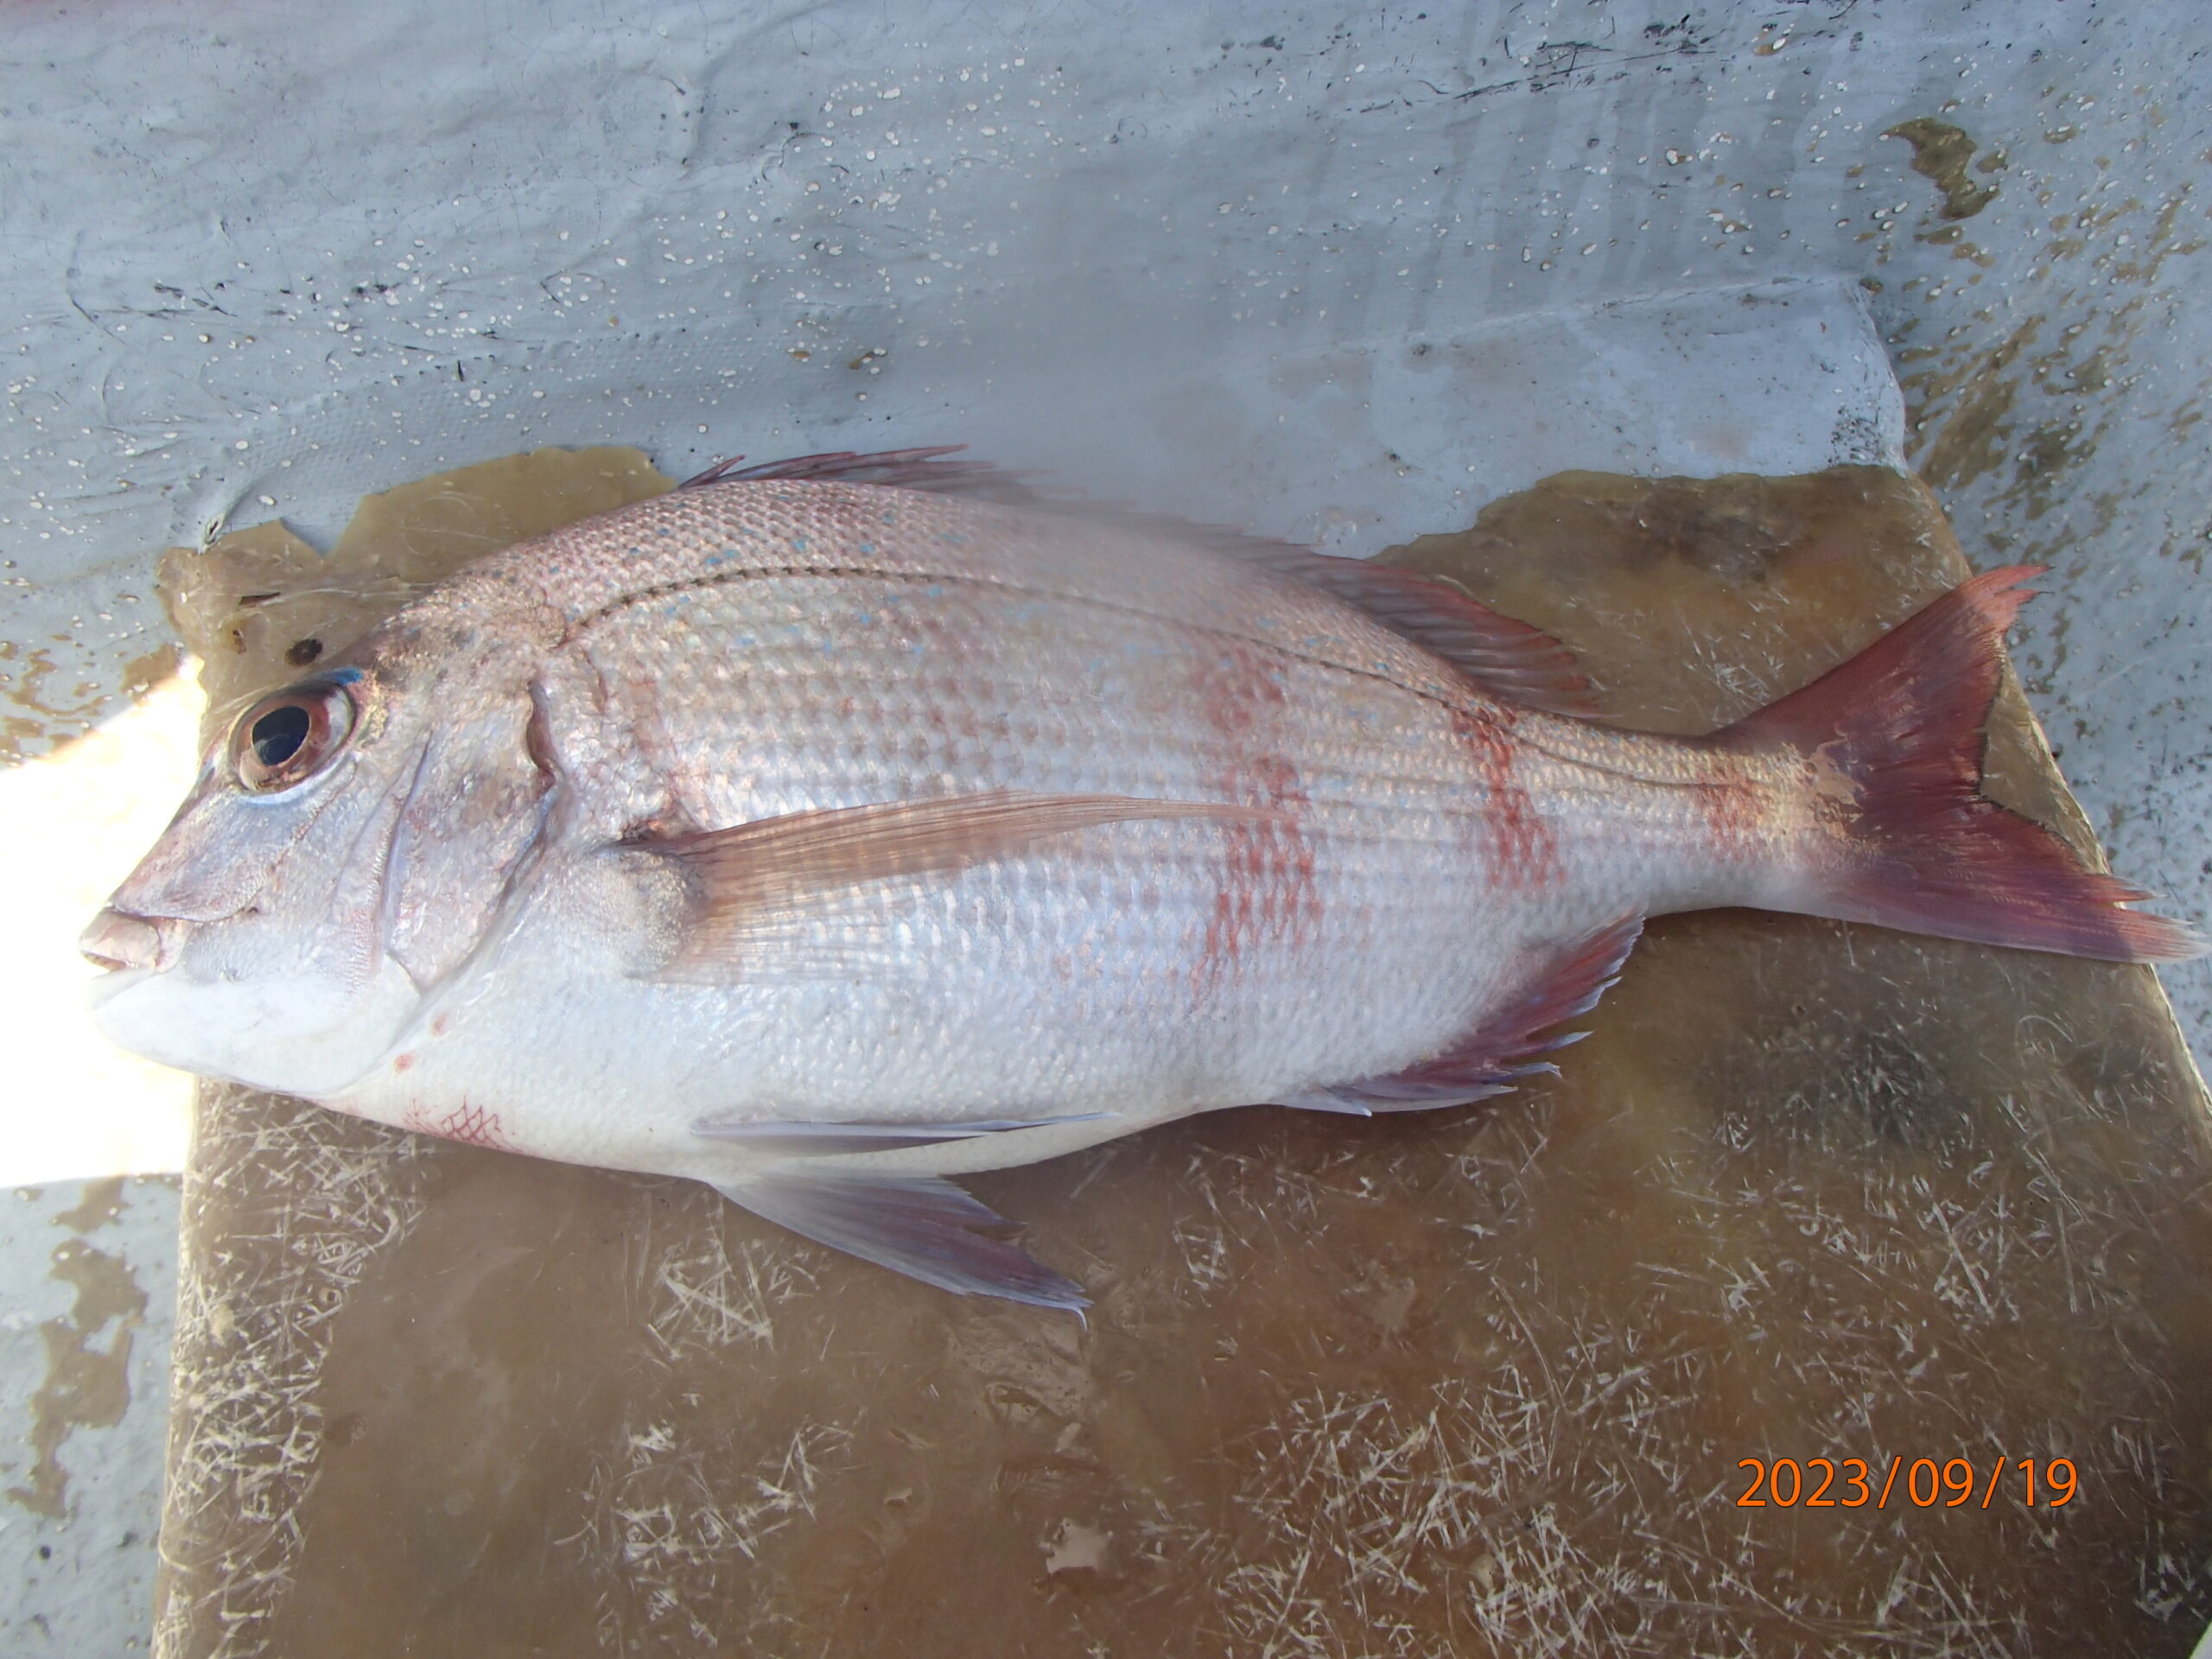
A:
[(290, 735)]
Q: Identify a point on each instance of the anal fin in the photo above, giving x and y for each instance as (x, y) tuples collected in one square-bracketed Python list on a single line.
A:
[(1508, 1044), (919, 1225)]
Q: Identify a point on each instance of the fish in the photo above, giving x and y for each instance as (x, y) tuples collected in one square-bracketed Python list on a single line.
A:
[(829, 829)]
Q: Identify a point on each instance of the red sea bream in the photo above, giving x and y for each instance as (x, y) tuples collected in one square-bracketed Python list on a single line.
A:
[(825, 831)]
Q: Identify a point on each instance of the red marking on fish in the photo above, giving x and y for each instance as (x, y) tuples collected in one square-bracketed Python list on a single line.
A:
[(1267, 891), (1519, 847), (402, 1062), (1733, 819), (469, 1124)]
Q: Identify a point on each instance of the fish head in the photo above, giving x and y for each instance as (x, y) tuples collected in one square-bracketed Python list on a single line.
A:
[(345, 847)]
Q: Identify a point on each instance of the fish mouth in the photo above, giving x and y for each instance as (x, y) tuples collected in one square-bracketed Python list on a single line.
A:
[(120, 942)]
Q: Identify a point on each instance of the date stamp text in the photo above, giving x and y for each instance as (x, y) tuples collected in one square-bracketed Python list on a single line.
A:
[(1852, 1483)]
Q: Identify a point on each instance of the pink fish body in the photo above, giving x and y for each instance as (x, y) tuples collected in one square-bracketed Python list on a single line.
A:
[(819, 838)]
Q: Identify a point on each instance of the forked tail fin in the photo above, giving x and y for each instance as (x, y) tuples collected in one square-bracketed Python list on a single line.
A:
[(1896, 738)]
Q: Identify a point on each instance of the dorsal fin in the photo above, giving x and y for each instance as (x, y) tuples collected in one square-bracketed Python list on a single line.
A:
[(1502, 655), (904, 469), (1506, 658)]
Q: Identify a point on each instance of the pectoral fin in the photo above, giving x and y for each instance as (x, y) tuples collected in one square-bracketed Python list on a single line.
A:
[(918, 1225), (752, 877)]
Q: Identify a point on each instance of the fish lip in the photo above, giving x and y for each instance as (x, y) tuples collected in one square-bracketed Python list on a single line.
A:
[(116, 983), (122, 943)]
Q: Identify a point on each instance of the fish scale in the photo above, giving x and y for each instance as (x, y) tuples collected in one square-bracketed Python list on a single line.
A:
[(1118, 729), (820, 838)]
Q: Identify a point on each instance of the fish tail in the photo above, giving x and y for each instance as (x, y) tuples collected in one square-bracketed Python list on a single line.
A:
[(1892, 742)]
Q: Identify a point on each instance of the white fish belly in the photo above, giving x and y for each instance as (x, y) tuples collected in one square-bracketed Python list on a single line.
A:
[(1046, 986)]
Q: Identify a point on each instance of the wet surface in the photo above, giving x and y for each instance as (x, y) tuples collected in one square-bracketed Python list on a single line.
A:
[(86, 1283), (87, 1384), (1940, 154), (1473, 1382)]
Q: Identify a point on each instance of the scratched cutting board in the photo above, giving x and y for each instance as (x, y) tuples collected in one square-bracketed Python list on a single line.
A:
[(1471, 1383)]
